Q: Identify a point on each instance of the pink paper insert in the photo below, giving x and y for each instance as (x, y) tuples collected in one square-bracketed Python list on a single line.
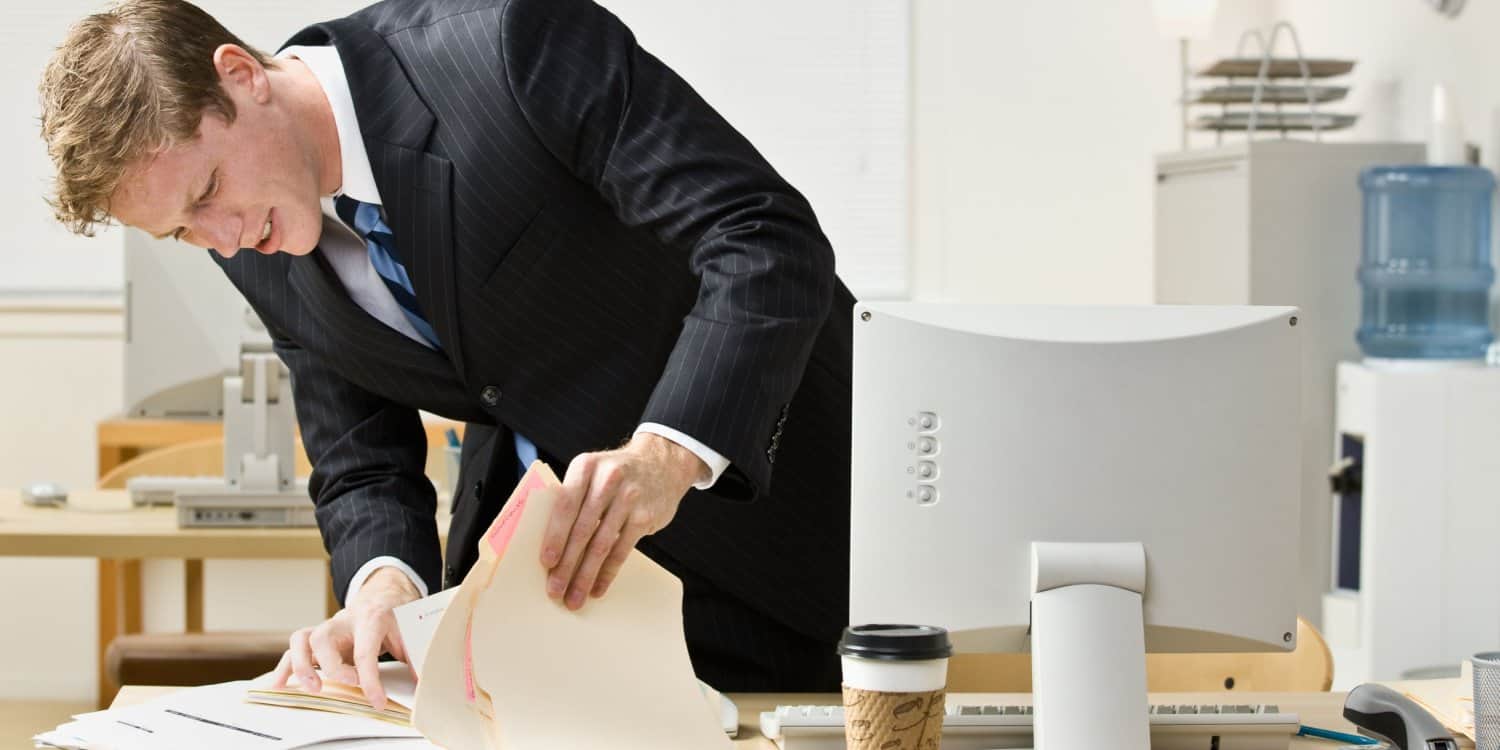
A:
[(469, 658), (510, 518)]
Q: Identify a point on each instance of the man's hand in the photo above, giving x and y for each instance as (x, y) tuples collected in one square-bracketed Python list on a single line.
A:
[(609, 501), (347, 646)]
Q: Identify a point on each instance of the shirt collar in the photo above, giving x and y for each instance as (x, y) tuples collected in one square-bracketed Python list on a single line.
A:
[(328, 69)]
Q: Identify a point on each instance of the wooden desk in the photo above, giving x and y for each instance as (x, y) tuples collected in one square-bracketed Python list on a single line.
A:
[(114, 532), (125, 533), (20, 720), (1318, 709)]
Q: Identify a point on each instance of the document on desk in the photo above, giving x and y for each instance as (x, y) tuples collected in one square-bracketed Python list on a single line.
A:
[(217, 716), (506, 667)]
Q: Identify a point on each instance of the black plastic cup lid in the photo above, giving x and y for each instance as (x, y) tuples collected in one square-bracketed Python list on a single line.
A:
[(896, 642)]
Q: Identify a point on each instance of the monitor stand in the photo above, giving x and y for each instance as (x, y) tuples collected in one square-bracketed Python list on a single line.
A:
[(1088, 646), (259, 487)]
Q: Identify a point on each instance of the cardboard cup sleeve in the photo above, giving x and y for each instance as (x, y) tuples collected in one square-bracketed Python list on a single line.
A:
[(875, 720)]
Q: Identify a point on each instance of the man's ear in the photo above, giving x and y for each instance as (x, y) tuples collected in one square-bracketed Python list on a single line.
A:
[(240, 71)]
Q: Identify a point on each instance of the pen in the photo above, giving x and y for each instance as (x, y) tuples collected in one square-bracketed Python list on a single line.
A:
[(452, 437), (1329, 734)]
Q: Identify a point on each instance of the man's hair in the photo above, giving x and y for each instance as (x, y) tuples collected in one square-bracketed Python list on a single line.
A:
[(126, 83)]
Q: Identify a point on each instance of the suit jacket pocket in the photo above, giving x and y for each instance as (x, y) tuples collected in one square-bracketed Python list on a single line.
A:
[(535, 238)]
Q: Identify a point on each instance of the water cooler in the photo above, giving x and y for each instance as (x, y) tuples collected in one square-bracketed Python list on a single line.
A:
[(1416, 481)]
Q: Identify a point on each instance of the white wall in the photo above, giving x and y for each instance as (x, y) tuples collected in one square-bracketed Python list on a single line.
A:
[(1035, 125), (62, 374), (829, 109), (39, 253), (1403, 49)]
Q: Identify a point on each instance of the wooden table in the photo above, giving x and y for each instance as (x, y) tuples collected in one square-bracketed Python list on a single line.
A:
[(101, 524), (20, 720), (1318, 709)]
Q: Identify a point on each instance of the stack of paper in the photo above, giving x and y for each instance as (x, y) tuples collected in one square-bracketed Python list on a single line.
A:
[(217, 717), (337, 697)]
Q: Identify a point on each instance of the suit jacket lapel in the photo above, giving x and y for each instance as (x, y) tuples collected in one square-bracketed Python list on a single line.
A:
[(415, 186), (325, 299), (422, 220)]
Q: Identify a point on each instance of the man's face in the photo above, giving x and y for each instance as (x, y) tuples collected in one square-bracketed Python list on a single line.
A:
[(224, 189)]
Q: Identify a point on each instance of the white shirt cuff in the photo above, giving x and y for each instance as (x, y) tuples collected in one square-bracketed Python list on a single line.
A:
[(717, 463), (384, 561)]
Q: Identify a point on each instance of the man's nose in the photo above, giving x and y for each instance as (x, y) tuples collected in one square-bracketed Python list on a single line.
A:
[(225, 234)]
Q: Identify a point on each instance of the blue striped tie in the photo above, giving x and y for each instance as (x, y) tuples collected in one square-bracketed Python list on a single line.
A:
[(365, 219)]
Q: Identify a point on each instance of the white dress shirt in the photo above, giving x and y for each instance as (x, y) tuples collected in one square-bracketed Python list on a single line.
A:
[(350, 260)]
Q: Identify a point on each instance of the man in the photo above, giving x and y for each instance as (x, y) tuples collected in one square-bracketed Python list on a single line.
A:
[(504, 212)]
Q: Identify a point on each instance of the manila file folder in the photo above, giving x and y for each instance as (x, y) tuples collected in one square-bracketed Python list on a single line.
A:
[(509, 669)]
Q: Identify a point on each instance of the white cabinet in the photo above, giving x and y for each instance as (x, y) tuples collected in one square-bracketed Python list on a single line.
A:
[(1277, 223), (1417, 527)]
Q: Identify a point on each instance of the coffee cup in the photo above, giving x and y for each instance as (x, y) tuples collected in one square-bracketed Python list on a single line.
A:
[(895, 682)]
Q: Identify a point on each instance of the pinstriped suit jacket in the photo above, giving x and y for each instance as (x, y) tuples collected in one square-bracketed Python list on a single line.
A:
[(595, 247)]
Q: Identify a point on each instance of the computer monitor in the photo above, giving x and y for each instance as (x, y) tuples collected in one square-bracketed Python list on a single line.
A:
[(1087, 482), (183, 326)]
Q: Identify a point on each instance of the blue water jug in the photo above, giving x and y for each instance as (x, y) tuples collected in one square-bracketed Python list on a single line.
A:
[(1425, 267)]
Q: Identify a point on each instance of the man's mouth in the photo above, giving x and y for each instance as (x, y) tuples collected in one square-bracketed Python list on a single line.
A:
[(267, 234)]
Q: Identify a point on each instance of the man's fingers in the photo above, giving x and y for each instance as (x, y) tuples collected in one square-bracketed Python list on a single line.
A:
[(612, 564), (330, 661), (394, 645), (605, 540), (602, 488), (302, 662), (637, 525), (368, 635), (565, 511), (282, 671)]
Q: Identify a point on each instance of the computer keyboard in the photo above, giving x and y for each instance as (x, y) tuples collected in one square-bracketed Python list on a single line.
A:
[(981, 727)]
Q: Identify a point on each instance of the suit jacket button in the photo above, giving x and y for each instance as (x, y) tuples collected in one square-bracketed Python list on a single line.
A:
[(490, 395), (479, 490), (450, 574)]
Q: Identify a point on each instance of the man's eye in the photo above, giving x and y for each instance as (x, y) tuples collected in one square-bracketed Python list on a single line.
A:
[(213, 187)]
